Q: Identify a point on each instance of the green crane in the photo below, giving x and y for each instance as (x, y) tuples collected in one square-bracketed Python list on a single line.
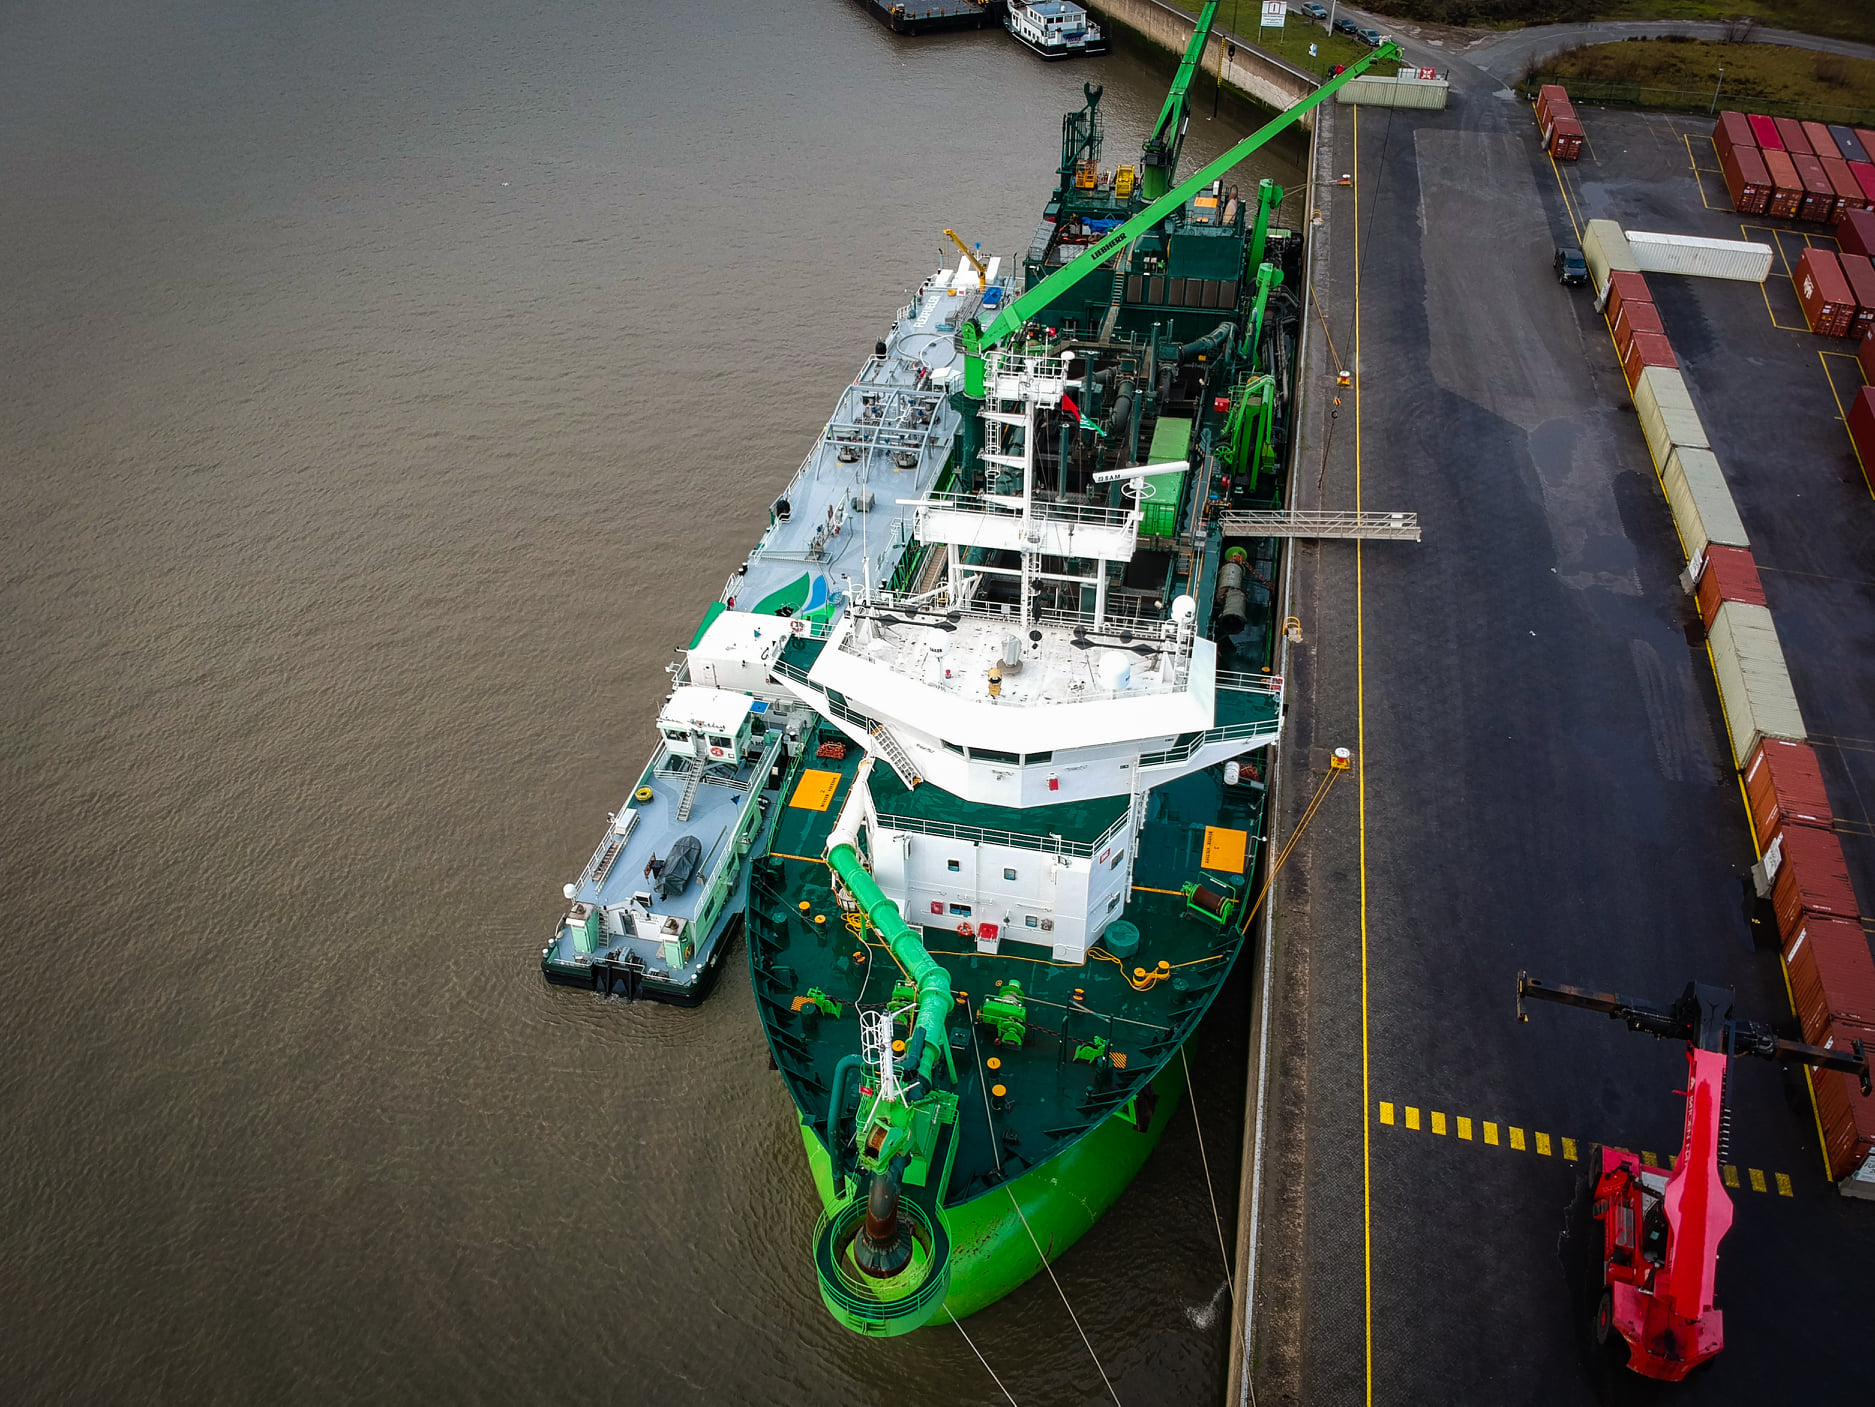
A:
[(1168, 133), (1017, 311)]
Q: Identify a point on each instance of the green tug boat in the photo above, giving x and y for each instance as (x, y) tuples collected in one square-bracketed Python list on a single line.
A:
[(1016, 838)]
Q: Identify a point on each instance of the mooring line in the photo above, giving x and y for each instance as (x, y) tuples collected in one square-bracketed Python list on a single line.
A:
[(1064, 1295), (981, 1359), (1191, 1098)]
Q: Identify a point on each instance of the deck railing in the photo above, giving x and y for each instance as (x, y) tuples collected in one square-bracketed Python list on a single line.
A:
[(1014, 840)]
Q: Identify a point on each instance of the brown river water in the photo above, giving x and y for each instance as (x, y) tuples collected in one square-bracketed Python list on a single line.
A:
[(385, 389)]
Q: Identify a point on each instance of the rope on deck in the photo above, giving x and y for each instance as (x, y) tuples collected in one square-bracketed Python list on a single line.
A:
[(1063, 1293)]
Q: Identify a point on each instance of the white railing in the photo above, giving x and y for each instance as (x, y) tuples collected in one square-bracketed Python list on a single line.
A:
[(1014, 840)]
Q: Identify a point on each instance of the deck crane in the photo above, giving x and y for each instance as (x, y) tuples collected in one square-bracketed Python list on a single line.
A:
[(1658, 1247), (1168, 133), (975, 263), (1015, 312)]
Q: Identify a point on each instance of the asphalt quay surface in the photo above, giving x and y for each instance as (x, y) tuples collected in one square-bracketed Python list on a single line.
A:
[(1543, 784)]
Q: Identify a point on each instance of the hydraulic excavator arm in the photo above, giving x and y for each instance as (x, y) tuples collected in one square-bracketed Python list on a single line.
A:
[(1168, 133), (1018, 311)]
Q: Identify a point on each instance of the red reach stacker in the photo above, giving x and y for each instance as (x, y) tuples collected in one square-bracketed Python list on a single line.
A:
[(1660, 1232)]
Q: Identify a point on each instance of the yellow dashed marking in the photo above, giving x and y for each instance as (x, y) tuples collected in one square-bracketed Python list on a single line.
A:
[(1412, 1117), (1569, 1149), (1757, 1179), (1652, 1160), (1516, 1138), (1490, 1134), (1464, 1127), (1438, 1123), (1783, 1185), (1728, 1174), (1542, 1144), (1386, 1112)]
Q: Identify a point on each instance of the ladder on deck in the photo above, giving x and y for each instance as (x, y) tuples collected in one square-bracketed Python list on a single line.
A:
[(1320, 523), (896, 755), (691, 784), (613, 850), (1112, 319)]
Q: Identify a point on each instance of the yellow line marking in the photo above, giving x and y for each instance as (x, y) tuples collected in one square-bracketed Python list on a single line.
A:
[(1490, 1133), (1757, 1179), (1569, 1149), (1412, 1117), (1783, 1185), (1386, 1112), (1516, 1138), (1360, 763), (1728, 1174), (1542, 1144), (1568, 209), (1652, 1160), (1464, 1127), (1438, 1123), (1843, 415)]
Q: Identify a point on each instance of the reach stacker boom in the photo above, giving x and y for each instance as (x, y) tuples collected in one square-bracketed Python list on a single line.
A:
[(1659, 1244)]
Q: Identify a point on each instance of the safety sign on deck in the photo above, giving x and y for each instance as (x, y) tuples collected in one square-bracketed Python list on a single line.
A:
[(816, 790)]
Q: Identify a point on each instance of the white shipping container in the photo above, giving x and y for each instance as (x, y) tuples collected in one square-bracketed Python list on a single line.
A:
[(1701, 502), (1666, 411), (1606, 250), (1754, 685), (1702, 258)]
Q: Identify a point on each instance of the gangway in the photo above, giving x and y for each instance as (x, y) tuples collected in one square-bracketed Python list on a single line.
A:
[(1321, 523)]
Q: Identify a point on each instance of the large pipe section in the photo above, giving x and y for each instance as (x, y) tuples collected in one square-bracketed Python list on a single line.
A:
[(1217, 338), (1233, 599), (931, 982)]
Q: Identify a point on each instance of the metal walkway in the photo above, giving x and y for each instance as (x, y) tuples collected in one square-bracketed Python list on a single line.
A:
[(1319, 522)]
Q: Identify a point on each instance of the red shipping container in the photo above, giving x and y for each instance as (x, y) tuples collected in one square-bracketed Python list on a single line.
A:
[(1862, 431), (1828, 304), (1817, 135), (1832, 977), (1791, 131), (1864, 173), (1645, 350), (1856, 233), (1746, 180), (1622, 288), (1866, 136), (1546, 95), (1635, 317), (1732, 130), (1765, 130), (1819, 196), (1848, 190), (1812, 878), (1866, 355), (1730, 574), (1848, 1119), (1564, 138), (1784, 785), (1786, 184), (1861, 275)]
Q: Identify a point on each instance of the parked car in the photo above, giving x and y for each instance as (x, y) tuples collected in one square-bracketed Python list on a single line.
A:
[(1372, 38), (1344, 25), (1572, 270), (1315, 12)]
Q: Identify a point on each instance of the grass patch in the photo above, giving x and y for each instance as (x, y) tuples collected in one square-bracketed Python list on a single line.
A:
[(1290, 43), (1681, 73), (1839, 19)]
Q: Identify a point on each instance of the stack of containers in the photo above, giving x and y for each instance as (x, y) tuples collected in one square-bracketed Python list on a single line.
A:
[(1784, 784), (1856, 233), (1795, 170), (1786, 185), (1829, 305), (1862, 416), (1819, 195), (1746, 179), (1726, 574), (1860, 275), (1754, 682), (1556, 120)]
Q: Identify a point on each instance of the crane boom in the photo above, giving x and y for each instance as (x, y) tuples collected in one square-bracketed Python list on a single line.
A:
[(975, 263), (1019, 310), (1161, 154)]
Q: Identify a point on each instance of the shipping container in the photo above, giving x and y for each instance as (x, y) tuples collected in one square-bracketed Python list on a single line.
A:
[(1848, 143), (1848, 190), (1699, 257), (1812, 878), (1832, 976), (1866, 355), (1864, 175), (1856, 233), (1866, 136), (1791, 131), (1635, 317), (1847, 1119), (1702, 504), (1754, 686), (1860, 273), (1819, 196), (1563, 137), (1545, 95), (1764, 129), (1728, 574), (1746, 180), (1647, 349), (1606, 250), (1828, 305), (1622, 288), (1786, 185), (1665, 408), (1862, 431), (1784, 786), (1817, 135), (1732, 130)]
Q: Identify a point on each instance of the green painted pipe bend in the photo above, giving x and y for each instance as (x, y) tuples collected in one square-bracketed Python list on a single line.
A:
[(931, 981)]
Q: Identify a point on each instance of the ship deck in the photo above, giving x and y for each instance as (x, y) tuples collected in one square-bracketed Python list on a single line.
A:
[(800, 940)]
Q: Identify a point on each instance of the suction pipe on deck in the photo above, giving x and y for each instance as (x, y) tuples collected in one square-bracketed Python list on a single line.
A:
[(1219, 336)]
